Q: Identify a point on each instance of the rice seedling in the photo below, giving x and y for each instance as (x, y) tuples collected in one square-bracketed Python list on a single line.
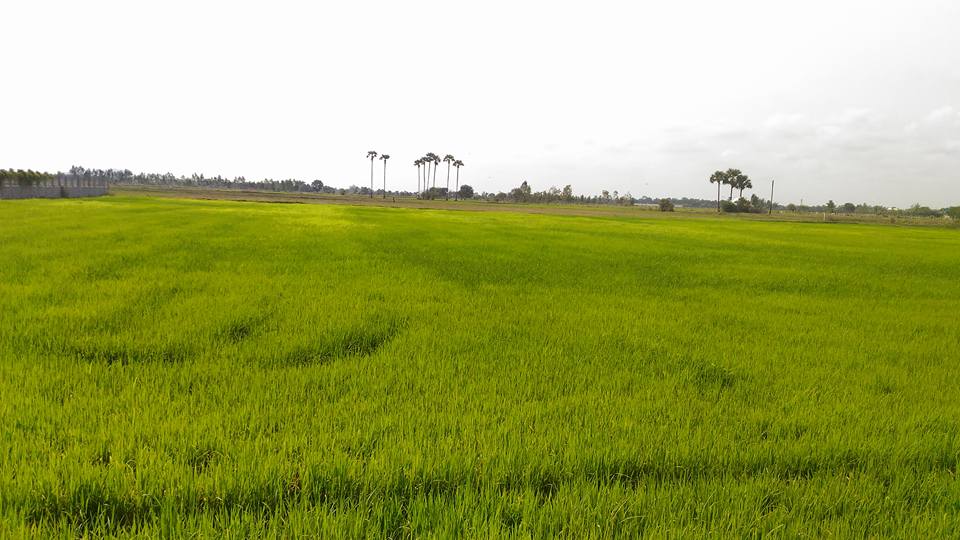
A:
[(228, 369)]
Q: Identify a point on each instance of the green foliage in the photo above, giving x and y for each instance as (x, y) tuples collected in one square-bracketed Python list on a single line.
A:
[(924, 211), (466, 192), (729, 207), (954, 212), (666, 205), (434, 193), (210, 369), (25, 177), (742, 205)]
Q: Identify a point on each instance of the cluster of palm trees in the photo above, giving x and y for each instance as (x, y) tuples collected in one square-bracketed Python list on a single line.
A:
[(423, 164), (424, 181), (733, 178)]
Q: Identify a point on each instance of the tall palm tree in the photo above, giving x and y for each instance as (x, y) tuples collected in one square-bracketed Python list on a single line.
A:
[(418, 162), (743, 182), (449, 159), (458, 164), (371, 155), (384, 158), (718, 178), (431, 159)]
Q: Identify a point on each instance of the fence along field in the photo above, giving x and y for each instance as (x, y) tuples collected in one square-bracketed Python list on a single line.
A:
[(226, 369), (20, 184)]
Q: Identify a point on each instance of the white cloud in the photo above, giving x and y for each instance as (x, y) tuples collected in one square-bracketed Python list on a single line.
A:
[(943, 115)]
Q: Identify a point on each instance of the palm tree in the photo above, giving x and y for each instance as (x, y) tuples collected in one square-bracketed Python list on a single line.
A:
[(449, 159), (458, 164), (733, 179), (431, 159), (743, 182), (418, 162), (384, 158), (718, 178), (371, 155)]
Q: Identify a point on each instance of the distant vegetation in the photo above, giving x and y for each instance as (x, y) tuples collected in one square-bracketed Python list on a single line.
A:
[(24, 177), (733, 179)]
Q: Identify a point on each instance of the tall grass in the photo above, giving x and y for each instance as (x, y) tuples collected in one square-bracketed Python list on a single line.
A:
[(223, 369)]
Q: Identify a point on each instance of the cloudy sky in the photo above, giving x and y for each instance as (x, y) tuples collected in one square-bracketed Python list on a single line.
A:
[(843, 99)]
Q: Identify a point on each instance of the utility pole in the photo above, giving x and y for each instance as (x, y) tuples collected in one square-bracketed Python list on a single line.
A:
[(771, 197)]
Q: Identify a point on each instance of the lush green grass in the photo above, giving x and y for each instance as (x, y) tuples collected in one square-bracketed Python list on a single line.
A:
[(175, 367)]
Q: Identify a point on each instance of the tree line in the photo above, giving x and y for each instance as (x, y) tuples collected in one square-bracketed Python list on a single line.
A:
[(427, 166), (25, 177)]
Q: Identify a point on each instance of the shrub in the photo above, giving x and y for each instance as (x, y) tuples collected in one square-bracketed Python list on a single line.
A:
[(666, 205), (729, 207)]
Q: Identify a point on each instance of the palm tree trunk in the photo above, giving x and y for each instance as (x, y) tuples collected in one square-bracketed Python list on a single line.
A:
[(457, 192), (418, 179), (384, 179), (447, 195), (718, 197), (371, 178), (731, 192), (434, 175)]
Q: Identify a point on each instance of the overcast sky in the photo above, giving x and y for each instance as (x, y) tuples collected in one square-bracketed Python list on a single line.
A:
[(843, 99)]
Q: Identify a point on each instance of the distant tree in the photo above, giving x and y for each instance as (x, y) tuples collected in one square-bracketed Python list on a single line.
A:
[(735, 178), (436, 163), (522, 193), (743, 205), (417, 163), (831, 206), (317, 185), (465, 192), (434, 193), (371, 155), (729, 207), (666, 205), (954, 212), (449, 159), (849, 208), (926, 211), (459, 164), (743, 182), (718, 178), (791, 207), (567, 193), (384, 158), (429, 160), (426, 171)]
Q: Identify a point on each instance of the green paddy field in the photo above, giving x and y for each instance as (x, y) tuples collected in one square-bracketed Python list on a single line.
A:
[(222, 369)]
